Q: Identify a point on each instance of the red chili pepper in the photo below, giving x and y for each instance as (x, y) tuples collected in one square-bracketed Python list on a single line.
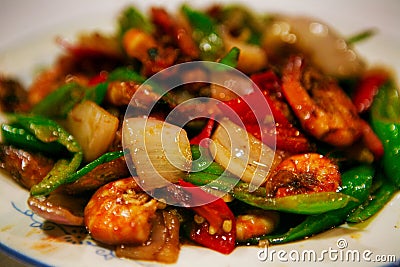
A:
[(219, 220), (288, 137), (205, 133), (100, 78), (368, 88)]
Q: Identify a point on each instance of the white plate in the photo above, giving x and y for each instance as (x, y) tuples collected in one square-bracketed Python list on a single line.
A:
[(27, 36)]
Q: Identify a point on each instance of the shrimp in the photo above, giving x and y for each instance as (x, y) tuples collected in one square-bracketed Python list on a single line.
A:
[(302, 174), (255, 223), (120, 213), (323, 108)]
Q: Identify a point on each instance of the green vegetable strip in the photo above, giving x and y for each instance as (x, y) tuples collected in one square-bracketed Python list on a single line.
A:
[(362, 36), (96, 94), (47, 130), (59, 102), (18, 136), (385, 121), (58, 175), (373, 205), (125, 74), (132, 18), (107, 157), (231, 58), (356, 182), (205, 33), (301, 204)]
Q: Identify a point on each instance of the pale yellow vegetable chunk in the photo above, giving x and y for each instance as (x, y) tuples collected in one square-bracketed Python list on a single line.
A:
[(93, 127)]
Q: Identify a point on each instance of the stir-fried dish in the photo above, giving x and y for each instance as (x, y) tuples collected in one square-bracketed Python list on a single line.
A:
[(89, 137)]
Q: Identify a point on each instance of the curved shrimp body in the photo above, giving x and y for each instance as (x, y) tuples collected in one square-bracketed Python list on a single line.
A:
[(120, 213), (323, 108), (302, 174)]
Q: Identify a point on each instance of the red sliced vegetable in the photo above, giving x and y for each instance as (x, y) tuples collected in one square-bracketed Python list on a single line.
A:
[(100, 78), (288, 137), (218, 230), (204, 134), (368, 88)]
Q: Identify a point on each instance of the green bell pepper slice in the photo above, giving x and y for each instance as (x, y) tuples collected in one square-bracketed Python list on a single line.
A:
[(59, 103), (385, 121), (16, 135), (47, 130)]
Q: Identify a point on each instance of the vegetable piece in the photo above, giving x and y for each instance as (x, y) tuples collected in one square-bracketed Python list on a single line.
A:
[(374, 204), (20, 137), (160, 151), (218, 231), (367, 89), (107, 157), (385, 121), (48, 130), (314, 203), (59, 102), (57, 176), (205, 33), (361, 36), (93, 127), (124, 74), (59, 208), (356, 182), (231, 58), (241, 153), (132, 18), (204, 134)]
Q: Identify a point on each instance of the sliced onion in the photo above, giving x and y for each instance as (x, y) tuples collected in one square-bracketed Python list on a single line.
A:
[(59, 208), (160, 151), (241, 153)]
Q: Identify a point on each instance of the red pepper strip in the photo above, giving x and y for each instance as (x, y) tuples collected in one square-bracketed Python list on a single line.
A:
[(367, 89), (216, 214), (205, 133), (288, 138), (100, 78)]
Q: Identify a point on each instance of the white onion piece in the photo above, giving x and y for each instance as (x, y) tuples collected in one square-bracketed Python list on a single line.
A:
[(326, 48), (93, 127), (241, 153), (160, 151)]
